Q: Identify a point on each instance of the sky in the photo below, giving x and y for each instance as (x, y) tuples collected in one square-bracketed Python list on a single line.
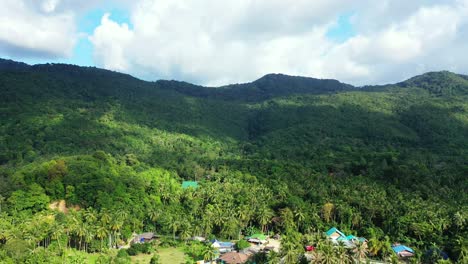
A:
[(212, 42)]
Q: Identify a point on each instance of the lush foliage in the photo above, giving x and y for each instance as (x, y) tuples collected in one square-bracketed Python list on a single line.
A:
[(282, 154)]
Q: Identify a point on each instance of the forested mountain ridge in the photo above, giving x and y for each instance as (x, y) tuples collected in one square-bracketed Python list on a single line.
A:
[(283, 153), (268, 86)]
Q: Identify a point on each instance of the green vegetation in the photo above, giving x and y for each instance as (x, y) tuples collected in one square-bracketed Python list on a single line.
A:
[(171, 255), (282, 154)]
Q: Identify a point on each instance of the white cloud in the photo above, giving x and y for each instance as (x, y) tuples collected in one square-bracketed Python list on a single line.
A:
[(214, 42), (112, 56), (35, 29), (218, 42), (420, 42)]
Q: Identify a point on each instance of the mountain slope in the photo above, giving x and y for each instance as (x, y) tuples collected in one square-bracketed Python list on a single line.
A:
[(386, 158)]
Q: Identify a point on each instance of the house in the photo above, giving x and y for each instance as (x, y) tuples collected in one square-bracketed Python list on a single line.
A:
[(144, 237), (222, 247), (257, 239), (233, 258), (334, 234), (355, 239), (402, 251), (198, 238), (349, 241), (189, 184)]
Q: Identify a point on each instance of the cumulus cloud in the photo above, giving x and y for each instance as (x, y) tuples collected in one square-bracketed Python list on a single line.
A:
[(218, 42), (420, 42), (34, 28), (46, 29), (104, 39)]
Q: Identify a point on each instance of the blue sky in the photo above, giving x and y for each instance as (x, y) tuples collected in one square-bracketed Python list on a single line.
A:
[(217, 42)]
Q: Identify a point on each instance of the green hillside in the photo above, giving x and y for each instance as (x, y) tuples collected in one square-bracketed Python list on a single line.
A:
[(283, 154)]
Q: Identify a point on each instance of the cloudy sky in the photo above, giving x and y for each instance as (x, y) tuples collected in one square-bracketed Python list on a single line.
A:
[(214, 42)]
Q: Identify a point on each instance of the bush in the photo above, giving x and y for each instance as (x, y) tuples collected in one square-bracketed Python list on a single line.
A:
[(135, 249), (122, 253), (155, 259), (242, 244), (168, 242)]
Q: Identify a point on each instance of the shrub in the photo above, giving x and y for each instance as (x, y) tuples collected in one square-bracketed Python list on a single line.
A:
[(122, 253), (135, 249), (242, 244)]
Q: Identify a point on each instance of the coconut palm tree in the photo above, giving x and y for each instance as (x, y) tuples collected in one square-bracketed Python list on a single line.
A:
[(57, 233), (360, 251), (115, 225), (101, 233), (209, 253), (342, 254), (327, 252), (299, 216), (273, 258), (264, 217)]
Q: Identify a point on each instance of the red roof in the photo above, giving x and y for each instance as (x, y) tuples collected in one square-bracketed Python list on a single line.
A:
[(234, 258)]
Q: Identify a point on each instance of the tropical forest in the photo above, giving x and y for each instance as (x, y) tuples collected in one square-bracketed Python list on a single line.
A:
[(98, 166)]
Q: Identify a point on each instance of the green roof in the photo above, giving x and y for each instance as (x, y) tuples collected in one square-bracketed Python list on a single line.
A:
[(258, 236), (333, 230), (187, 184)]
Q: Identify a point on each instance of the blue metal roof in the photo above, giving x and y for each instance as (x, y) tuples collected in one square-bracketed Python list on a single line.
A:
[(333, 230), (226, 244), (223, 244), (401, 248)]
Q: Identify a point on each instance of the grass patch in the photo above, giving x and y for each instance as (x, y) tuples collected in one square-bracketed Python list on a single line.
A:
[(171, 255), (142, 258)]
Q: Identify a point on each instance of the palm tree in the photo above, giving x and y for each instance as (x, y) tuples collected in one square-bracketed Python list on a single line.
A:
[(90, 215), (328, 254), (175, 225), (89, 235), (209, 253), (101, 233), (2, 199), (375, 245), (153, 215), (342, 254), (291, 257), (273, 258), (317, 256), (57, 233), (360, 251), (264, 217), (115, 225), (185, 230), (105, 217), (386, 247), (81, 231), (299, 215)]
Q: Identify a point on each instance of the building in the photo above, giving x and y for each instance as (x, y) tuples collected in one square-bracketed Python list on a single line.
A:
[(222, 247), (258, 239), (402, 251), (334, 234), (233, 258), (349, 241), (144, 237)]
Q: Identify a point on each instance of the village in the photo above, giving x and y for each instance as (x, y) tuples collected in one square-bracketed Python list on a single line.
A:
[(228, 252)]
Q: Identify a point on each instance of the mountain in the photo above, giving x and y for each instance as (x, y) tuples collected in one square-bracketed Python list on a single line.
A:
[(269, 86), (440, 83), (282, 153)]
